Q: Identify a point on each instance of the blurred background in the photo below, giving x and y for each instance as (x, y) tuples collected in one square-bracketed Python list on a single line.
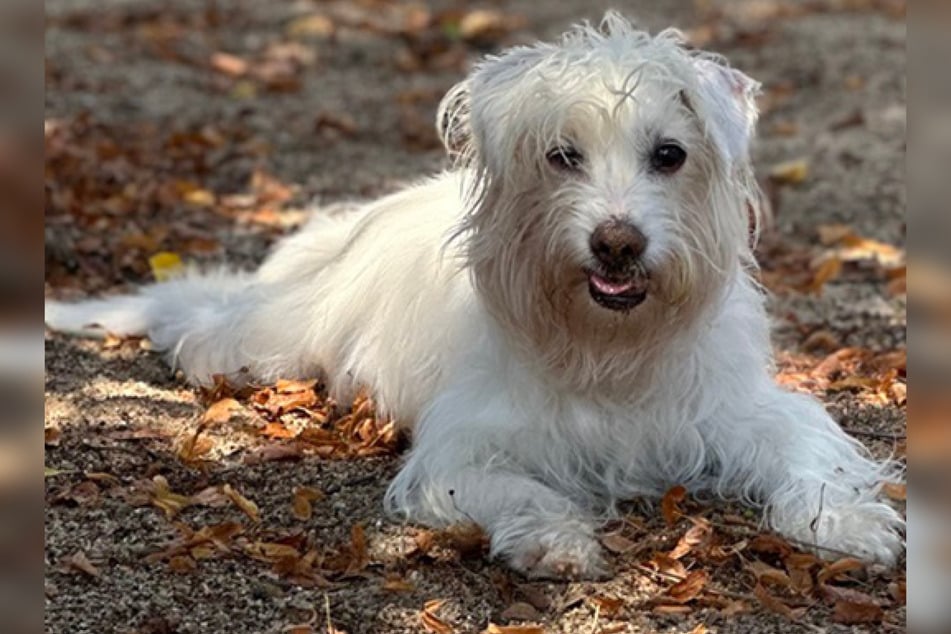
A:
[(203, 130)]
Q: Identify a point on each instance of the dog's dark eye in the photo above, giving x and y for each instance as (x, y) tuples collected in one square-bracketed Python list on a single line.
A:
[(565, 158), (668, 158)]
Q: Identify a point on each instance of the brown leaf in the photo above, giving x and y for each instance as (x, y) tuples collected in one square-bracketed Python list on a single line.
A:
[(858, 248), (771, 544), (827, 270), (851, 613), (773, 604), (248, 507), (830, 235), (221, 411), (536, 596), (396, 583), (194, 446), (164, 498), (665, 564), (272, 551), (799, 566), (81, 563), (839, 567), (430, 621), (85, 493), (51, 436), (343, 124), (898, 591), (667, 609), (513, 629), (520, 611), (228, 64), (669, 504), (821, 341), (689, 588), (182, 564), (608, 606), (765, 573), (616, 543), (276, 451), (311, 26), (278, 430), (853, 383), (467, 538), (487, 24), (790, 172), (696, 535), (301, 504), (896, 490), (213, 497), (732, 608)]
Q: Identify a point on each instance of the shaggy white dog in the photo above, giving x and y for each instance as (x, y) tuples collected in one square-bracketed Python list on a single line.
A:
[(567, 317)]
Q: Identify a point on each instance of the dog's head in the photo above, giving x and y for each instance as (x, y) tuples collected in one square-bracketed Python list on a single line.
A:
[(612, 176)]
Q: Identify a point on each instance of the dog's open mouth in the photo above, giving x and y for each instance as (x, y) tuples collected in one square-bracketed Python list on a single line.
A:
[(618, 293)]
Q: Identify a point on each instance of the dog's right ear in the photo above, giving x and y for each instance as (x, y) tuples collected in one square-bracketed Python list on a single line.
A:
[(452, 123)]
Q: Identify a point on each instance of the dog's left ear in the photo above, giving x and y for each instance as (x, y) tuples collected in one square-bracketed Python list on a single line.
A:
[(728, 98)]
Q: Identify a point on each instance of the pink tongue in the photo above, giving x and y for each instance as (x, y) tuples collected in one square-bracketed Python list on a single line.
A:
[(609, 288)]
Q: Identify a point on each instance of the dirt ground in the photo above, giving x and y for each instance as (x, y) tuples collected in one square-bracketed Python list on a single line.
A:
[(206, 128)]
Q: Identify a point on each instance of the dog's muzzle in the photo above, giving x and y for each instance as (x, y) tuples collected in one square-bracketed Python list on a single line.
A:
[(620, 280)]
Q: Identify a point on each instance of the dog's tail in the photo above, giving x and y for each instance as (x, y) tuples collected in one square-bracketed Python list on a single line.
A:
[(200, 320)]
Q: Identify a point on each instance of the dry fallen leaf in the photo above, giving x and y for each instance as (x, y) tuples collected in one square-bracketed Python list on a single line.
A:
[(767, 574), (221, 411), (301, 504), (182, 564), (314, 25), (665, 564), (852, 613), (839, 567), (773, 604), (696, 535), (81, 563), (669, 504), (164, 498), (228, 64), (688, 589), (276, 451), (430, 621), (51, 436), (898, 591), (396, 583), (790, 172), (826, 271), (607, 606), (248, 507), (833, 233), (616, 543), (514, 629)]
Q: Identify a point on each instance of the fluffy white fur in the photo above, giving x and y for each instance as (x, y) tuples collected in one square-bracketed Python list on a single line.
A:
[(463, 304)]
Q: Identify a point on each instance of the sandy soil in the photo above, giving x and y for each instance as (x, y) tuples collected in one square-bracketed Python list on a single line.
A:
[(343, 117)]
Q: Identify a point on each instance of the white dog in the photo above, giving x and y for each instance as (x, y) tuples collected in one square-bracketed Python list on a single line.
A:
[(567, 316)]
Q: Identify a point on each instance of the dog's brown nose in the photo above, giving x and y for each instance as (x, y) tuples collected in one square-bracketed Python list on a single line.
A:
[(617, 244)]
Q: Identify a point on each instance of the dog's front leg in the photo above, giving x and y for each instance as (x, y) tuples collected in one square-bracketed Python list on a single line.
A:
[(538, 531), (819, 486)]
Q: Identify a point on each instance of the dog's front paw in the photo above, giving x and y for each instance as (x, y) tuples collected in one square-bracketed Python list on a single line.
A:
[(871, 531), (558, 553)]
